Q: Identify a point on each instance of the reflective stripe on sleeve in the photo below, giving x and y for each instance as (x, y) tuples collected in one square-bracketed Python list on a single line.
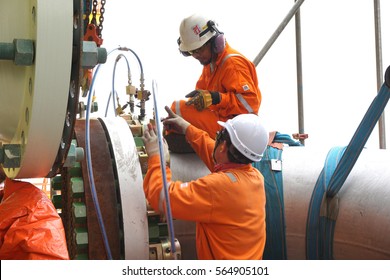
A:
[(243, 102), (177, 107), (239, 95)]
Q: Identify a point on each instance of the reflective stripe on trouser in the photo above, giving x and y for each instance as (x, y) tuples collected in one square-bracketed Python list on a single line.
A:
[(205, 120)]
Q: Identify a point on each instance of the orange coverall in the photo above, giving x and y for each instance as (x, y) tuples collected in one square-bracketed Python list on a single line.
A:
[(30, 228), (228, 206), (235, 77)]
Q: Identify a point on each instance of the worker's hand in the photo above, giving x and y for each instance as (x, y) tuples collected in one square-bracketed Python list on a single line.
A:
[(202, 99), (175, 122), (150, 139)]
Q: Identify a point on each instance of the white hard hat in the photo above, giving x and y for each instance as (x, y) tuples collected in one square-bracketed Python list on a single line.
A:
[(248, 135), (194, 32)]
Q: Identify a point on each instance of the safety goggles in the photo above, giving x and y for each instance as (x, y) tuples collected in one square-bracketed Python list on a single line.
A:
[(198, 50)]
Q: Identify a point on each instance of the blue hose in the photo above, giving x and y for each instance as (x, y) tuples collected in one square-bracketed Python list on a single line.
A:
[(113, 92), (163, 170)]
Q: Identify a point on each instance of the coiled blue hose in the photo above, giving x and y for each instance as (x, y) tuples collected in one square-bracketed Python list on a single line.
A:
[(113, 92)]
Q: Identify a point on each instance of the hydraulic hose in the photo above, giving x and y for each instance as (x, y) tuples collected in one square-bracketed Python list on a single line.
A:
[(164, 174), (113, 92), (142, 79)]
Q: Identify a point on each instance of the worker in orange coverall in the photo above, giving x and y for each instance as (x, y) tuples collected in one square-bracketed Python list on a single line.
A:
[(228, 205), (30, 228), (228, 85)]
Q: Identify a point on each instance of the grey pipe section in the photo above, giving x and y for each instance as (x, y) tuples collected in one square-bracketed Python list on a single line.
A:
[(278, 31), (379, 70)]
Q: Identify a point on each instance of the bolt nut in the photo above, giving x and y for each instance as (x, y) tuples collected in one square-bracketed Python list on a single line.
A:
[(77, 186), (24, 52), (94, 107), (92, 55), (75, 154)]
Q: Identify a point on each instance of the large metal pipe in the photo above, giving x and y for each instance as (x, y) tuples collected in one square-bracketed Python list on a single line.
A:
[(363, 224)]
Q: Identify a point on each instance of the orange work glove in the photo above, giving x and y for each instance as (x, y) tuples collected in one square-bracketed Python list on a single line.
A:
[(202, 99)]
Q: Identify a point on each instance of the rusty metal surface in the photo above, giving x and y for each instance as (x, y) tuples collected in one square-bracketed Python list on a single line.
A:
[(105, 183)]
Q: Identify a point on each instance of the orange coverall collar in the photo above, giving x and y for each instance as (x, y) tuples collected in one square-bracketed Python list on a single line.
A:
[(227, 166), (214, 64)]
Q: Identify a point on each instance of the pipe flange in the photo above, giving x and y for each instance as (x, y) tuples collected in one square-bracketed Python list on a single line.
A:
[(33, 97)]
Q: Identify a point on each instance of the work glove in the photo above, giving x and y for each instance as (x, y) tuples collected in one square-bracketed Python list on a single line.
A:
[(202, 99), (150, 139), (175, 122)]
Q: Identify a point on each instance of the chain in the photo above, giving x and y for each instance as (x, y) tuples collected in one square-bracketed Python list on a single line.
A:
[(88, 12), (101, 18), (94, 12)]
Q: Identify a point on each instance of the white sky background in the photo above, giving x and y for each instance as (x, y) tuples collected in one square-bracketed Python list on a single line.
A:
[(338, 58)]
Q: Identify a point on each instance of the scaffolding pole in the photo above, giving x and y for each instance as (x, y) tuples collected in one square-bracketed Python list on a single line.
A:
[(277, 32), (298, 42), (294, 11), (379, 70)]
